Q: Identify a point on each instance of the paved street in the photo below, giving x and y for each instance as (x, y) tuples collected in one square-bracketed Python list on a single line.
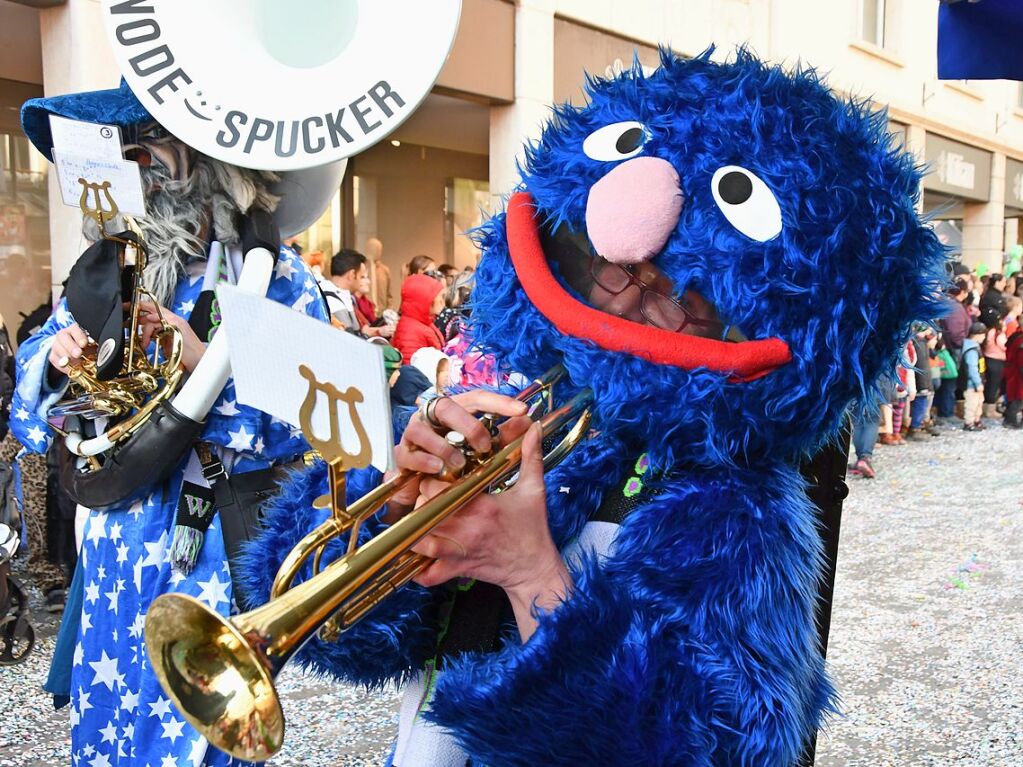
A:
[(926, 644)]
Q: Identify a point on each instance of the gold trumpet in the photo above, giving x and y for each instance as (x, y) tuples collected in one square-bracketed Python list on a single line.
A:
[(220, 673)]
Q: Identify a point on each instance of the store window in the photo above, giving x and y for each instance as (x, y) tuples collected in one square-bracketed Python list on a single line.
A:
[(466, 205), (874, 22), (24, 230), (324, 235)]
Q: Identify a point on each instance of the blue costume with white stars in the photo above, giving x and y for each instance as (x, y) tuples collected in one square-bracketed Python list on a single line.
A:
[(119, 715)]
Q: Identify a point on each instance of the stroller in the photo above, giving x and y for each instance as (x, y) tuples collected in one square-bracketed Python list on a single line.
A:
[(16, 634)]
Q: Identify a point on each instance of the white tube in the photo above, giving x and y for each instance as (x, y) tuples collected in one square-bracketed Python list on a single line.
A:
[(209, 377)]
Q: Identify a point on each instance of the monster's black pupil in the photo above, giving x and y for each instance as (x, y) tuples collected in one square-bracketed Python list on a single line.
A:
[(735, 187), (629, 141)]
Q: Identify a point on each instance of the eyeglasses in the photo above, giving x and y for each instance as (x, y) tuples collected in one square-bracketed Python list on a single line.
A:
[(656, 307)]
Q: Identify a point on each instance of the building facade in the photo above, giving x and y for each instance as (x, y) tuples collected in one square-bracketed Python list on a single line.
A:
[(454, 160)]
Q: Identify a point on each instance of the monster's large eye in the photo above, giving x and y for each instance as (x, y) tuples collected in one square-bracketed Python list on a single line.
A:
[(746, 202), (617, 141)]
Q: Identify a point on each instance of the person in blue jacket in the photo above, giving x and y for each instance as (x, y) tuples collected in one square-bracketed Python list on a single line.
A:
[(136, 551)]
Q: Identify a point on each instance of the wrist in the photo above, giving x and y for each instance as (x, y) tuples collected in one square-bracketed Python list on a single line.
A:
[(545, 585)]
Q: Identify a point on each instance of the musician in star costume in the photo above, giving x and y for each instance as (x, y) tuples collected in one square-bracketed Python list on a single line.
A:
[(728, 255), (161, 538)]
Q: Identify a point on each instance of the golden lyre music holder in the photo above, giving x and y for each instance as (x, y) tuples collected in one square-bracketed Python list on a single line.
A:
[(331, 449)]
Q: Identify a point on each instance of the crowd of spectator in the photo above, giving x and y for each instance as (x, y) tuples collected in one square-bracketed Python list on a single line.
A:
[(963, 372)]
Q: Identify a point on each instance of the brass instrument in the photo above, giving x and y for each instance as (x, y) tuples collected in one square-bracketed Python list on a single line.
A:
[(220, 673), (142, 383)]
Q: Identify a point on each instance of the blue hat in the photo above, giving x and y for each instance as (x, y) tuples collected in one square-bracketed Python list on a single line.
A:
[(117, 106)]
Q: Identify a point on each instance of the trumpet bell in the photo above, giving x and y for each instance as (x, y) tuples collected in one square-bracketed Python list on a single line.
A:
[(217, 676)]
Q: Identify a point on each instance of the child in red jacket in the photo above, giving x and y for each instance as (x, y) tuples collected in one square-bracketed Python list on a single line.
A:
[(421, 300)]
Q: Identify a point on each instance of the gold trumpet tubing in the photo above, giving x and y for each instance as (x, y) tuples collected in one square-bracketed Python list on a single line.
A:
[(314, 541), (394, 578), (283, 624), (129, 426)]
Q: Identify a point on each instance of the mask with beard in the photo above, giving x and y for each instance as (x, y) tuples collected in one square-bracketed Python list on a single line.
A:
[(191, 199)]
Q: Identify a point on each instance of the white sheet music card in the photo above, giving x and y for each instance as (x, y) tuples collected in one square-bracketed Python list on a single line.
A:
[(123, 176), (85, 139), (268, 343)]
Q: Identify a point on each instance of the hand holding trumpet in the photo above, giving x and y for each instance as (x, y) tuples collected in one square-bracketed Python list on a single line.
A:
[(502, 539), (70, 343)]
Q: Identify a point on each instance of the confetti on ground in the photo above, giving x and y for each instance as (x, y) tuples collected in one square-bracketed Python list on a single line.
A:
[(926, 643)]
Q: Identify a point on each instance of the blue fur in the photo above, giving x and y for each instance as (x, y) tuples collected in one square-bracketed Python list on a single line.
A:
[(694, 643)]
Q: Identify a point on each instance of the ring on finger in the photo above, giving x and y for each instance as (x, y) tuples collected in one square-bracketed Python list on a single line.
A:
[(428, 411), (63, 361)]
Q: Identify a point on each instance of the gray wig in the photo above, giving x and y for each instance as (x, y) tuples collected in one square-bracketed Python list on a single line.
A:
[(190, 200)]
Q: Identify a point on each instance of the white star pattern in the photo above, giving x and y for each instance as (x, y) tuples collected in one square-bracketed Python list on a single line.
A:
[(284, 268), (258, 447), (135, 629), (136, 510), (172, 729), (83, 702), (100, 760), (21, 414), (122, 553), (185, 308), (37, 435), (154, 551), (97, 528), (129, 700), (86, 622), (115, 532), (106, 671), (240, 440), (92, 593), (101, 572), (79, 655), (113, 595), (213, 591), (160, 707), (198, 752), (109, 732), (129, 731), (176, 577), (227, 408), (168, 761), (137, 573), (302, 302)]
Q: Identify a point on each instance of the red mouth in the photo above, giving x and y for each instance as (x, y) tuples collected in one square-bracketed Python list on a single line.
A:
[(742, 361)]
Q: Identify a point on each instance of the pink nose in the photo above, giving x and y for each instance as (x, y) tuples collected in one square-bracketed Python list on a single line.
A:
[(632, 210)]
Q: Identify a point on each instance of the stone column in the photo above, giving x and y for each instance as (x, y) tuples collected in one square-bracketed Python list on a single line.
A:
[(984, 223), (512, 125), (76, 57)]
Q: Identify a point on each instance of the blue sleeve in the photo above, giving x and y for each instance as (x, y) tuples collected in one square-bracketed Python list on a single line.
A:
[(973, 367), (695, 640), (33, 395)]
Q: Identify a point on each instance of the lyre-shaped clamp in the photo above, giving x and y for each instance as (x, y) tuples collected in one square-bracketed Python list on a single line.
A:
[(98, 213), (332, 449)]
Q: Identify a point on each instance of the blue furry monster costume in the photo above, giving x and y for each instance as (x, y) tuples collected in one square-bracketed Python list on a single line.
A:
[(783, 220)]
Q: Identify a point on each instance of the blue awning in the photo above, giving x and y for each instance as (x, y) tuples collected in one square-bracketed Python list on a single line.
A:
[(980, 40)]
